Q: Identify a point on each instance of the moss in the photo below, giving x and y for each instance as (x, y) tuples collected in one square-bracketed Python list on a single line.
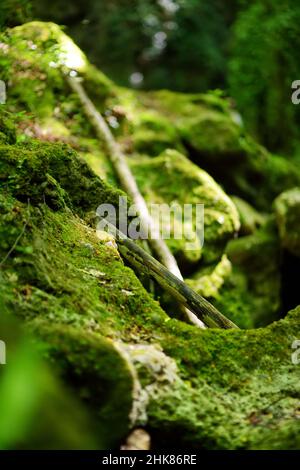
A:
[(217, 141), (258, 177), (209, 281), (7, 129), (204, 126), (213, 133), (256, 257), (287, 209), (73, 290), (227, 287), (151, 133), (88, 362), (172, 178), (207, 389), (250, 218), (53, 173), (237, 395), (46, 414)]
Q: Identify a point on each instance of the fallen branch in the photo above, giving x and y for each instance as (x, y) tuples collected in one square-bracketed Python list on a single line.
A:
[(145, 263), (128, 183)]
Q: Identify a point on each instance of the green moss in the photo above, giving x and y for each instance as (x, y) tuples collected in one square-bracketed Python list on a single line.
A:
[(215, 389), (256, 257), (209, 281), (249, 217), (46, 414), (73, 290), (7, 129), (88, 362), (239, 388), (287, 209), (151, 134), (216, 140), (52, 173), (172, 178)]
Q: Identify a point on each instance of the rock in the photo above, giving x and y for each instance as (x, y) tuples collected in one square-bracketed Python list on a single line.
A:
[(209, 281), (124, 359), (224, 394), (287, 210), (217, 143), (172, 179), (138, 439), (99, 374), (37, 410), (250, 218), (212, 385), (153, 133), (52, 173)]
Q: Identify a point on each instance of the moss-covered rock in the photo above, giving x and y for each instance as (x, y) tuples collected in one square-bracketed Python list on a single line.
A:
[(204, 126), (109, 341), (287, 209), (152, 133), (42, 172), (98, 374), (256, 275), (172, 179), (250, 218), (72, 290), (237, 390), (209, 281), (217, 142)]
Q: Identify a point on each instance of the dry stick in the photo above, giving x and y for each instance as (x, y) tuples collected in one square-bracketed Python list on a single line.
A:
[(128, 182), (149, 266)]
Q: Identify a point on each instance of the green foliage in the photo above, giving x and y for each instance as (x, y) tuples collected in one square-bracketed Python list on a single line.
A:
[(14, 12), (264, 62)]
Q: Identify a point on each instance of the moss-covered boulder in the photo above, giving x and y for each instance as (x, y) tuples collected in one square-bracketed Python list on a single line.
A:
[(246, 283), (65, 284), (35, 58), (250, 218), (233, 390), (287, 209), (112, 347), (172, 179), (98, 373), (216, 141), (256, 272)]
